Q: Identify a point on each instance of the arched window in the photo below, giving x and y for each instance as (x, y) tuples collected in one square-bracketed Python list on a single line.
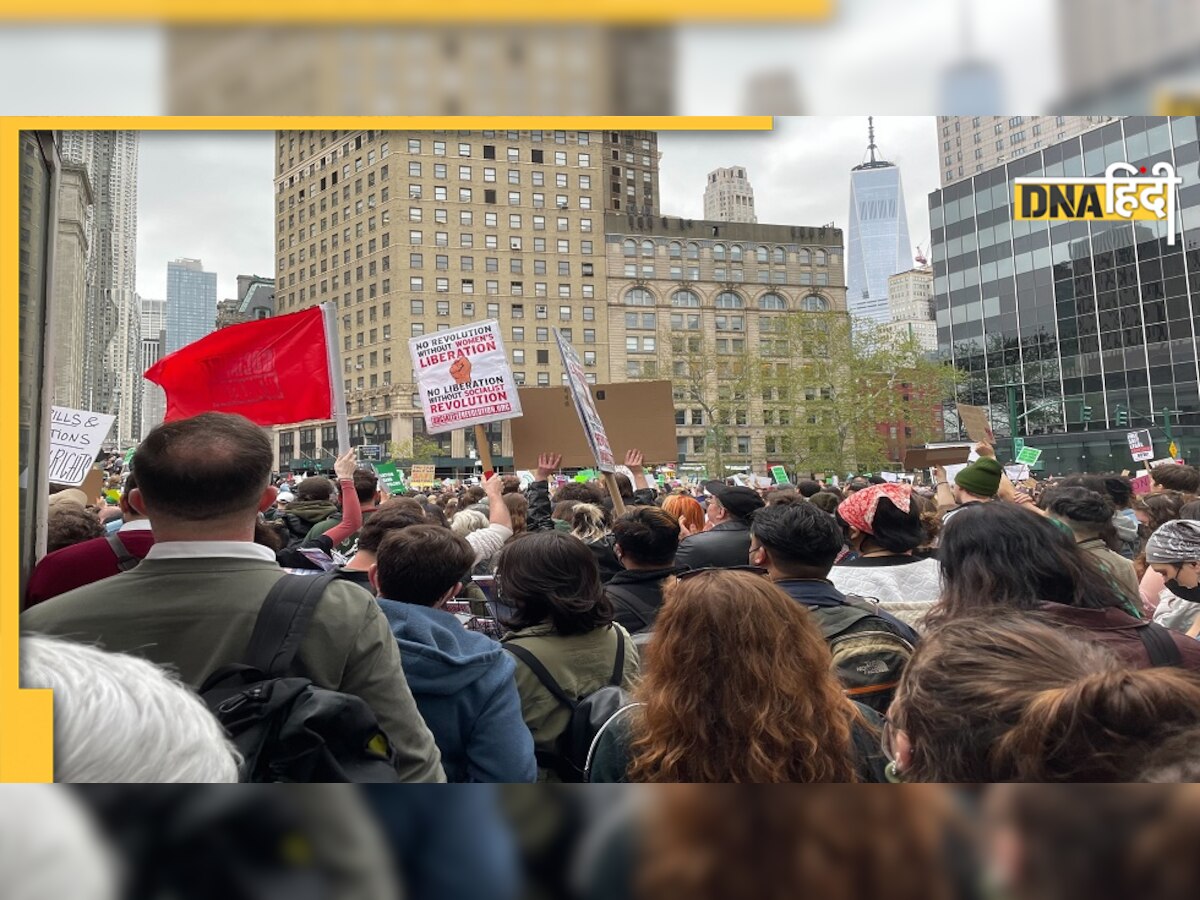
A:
[(777, 256), (638, 297), (685, 298), (693, 250), (762, 254), (718, 252), (772, 301), (647, 248), (804, 258), (820, 257), (730, 300), (629, 247), (814, 303), (675, 250), (735, 253)]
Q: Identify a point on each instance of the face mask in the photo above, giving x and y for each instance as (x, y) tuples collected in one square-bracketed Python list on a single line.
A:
[(1191, 594)]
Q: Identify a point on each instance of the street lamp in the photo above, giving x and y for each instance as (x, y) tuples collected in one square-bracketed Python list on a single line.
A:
[(369, 426)]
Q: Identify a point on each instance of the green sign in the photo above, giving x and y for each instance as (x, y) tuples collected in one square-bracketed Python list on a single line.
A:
[(585, 476), (129, 455), (391, 478), (1018, 444), (779, 473), (1029, 456)]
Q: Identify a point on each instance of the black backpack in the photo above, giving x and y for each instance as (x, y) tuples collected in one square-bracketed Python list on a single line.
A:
[(588, 713), (287, 728), (870, 648)]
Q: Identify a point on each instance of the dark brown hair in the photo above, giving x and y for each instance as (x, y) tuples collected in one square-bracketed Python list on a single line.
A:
[(549, 576), (366, 483), (68, 524), (392, 516), (420, 563), (518, 511), (209, 466), (648, 535), (315, 487), (738, 686), (579, 491), (1175, 477)]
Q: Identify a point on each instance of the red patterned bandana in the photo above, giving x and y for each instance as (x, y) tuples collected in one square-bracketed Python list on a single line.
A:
[(859, 508)]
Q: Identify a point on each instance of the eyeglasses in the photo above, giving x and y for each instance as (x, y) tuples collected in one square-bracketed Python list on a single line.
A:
[(692, 573), (887, 741)]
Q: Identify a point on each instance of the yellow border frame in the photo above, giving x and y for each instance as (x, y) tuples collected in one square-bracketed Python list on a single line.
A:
[(350, 12), (26, 716)]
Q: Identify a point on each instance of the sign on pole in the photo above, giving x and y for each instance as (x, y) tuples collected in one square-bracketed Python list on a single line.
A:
[(370, 452), (1141, 447), (585, 406), (75, 439), (975, 422), (463, 377), (1029, 456), (779, 473)]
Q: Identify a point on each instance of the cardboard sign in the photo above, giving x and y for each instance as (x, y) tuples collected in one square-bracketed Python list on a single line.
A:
[(928, 457), (1017, 474), (391, 479), (637, 415), (1141, 484), (463, 377), (1029, 456), (1141, 448), (585, 406), (1166, 461), (779, 473), (975, 422), (75, 439), (422, 476)]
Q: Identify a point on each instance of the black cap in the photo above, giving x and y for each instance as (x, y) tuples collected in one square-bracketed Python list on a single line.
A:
[(740, 501)]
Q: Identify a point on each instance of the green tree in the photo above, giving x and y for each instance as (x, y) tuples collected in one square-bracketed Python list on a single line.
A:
[(843, 383), (421, 449)]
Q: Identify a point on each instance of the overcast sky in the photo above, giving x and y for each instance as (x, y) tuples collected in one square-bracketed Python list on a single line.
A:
[(210, 196)]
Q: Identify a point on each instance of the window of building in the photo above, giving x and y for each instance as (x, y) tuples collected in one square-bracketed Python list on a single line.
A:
[(639, 297)]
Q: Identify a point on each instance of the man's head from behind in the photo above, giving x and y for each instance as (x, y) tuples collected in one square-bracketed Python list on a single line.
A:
[(1174, 477), (366, 486), (213, 467), (646, 536), (794, 540), (394, 515), (422, 564)]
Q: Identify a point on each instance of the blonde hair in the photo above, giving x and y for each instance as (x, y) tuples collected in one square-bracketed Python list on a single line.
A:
[(467, 520), (588, 522)]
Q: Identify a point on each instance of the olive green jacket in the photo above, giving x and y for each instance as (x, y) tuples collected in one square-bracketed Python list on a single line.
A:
[(580, 663)]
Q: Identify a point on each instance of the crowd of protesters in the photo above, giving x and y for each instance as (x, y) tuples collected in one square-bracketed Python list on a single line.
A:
[(974, 630)]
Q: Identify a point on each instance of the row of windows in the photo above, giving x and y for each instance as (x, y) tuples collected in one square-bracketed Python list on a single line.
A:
[(640, 296), (720, 252), (677, 272)]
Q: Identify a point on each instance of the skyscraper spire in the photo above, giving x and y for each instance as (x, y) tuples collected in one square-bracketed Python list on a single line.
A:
[(876, 161), (871, 136)]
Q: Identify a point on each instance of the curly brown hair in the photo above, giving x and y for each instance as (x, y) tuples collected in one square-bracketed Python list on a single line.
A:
[(738, 687)]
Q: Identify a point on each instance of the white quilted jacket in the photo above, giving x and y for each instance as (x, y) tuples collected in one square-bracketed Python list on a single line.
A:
[(907, 591)]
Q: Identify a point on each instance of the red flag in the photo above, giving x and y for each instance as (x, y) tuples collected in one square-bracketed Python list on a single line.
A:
[(272, 371)]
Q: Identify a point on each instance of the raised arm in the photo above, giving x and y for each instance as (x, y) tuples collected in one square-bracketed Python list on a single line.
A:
[(352, 519), (538, 494), (633, 462)]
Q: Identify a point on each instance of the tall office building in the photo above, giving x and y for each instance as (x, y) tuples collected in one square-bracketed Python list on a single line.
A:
[(413, 232), (728, 196), (113, 318), (1089, 328), (878, 246), (910, 295), (154, 325), (191, 303), (972, 144), (68, 305)]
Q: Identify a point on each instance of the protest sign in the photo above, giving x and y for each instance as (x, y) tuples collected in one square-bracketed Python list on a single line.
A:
[(1141, 484), (422, 476), (463, 377), (924, 457), (1141, 448), (1017, 473), (975, 422), (1166, 461), (585, 406), (75, 439), (391, 479), (1029, 456), (779, 473), (637, 415)]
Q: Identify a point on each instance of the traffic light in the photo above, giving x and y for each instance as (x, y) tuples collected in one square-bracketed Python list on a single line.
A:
[(1085, 414), (1122, 417)]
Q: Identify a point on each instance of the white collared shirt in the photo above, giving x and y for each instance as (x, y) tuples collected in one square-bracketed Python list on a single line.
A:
[(136, 525), (217, 549)]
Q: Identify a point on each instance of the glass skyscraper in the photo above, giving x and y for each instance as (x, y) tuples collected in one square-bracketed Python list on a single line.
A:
[(1093, 325), (191, 303), (877, 246)]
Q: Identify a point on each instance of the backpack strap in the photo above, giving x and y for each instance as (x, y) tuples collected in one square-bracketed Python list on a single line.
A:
[(632, 602), (618, 674), (282, 622), (542, 673), (125, 559), (1161, 648)]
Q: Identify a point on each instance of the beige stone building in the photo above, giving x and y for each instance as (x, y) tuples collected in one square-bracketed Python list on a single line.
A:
[(701, 303), (969, 145), (69, 343), (910, 297), (414, 232), (729, 196)]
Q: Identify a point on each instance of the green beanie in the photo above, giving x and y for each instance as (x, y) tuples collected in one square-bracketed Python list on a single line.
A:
[(981, 478)]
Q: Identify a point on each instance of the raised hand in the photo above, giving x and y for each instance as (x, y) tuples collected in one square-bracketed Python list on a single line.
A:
[(633, 461), (548, 464), (346, 464)]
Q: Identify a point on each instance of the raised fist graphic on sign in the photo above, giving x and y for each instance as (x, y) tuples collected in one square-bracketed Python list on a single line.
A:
[(460, 370)]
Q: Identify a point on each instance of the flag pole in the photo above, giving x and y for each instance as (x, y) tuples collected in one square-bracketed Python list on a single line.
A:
[(337, 387)]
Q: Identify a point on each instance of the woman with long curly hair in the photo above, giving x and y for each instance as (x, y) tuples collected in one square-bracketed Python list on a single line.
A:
[(737, 687), (687, 510)]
